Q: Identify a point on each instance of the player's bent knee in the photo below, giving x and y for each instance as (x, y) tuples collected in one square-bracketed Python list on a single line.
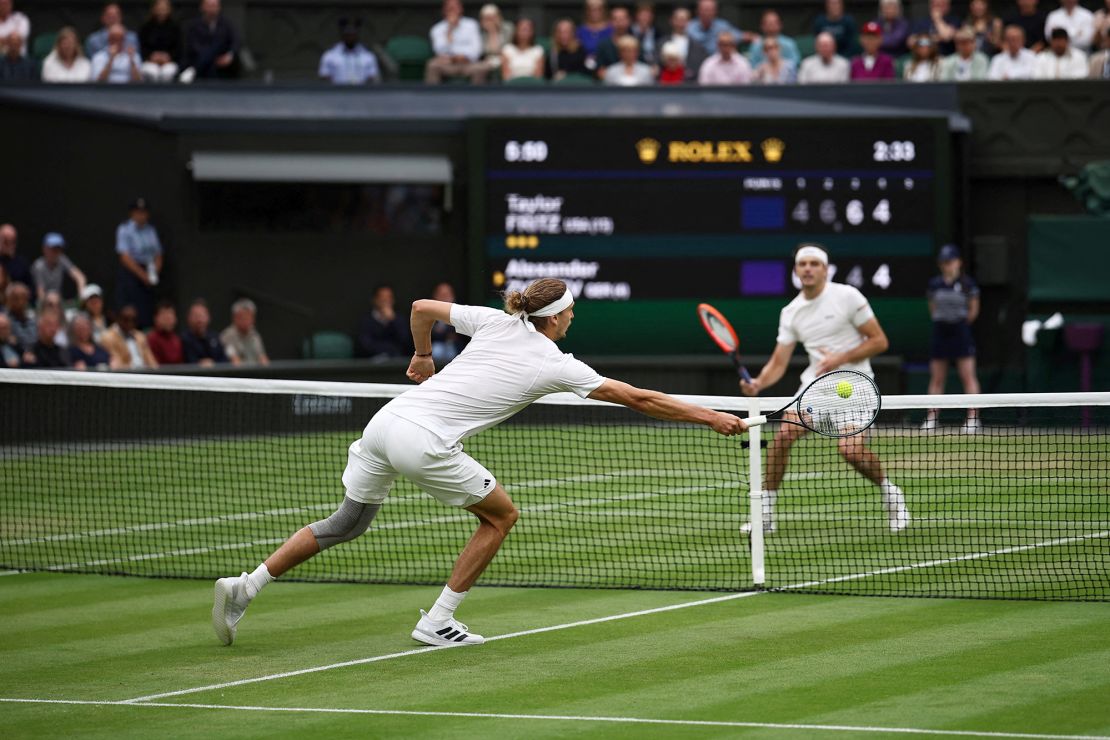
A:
[(350, 520)]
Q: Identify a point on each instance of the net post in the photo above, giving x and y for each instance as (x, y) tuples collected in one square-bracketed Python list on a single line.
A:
[(755, 494)]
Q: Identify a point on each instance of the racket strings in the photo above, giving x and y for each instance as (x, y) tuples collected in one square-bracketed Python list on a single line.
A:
[(830, 407)]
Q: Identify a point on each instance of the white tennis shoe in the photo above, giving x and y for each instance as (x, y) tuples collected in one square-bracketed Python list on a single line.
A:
[(449, 632), (227, 609)]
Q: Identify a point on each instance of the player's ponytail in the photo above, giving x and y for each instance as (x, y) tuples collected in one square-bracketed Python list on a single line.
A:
[(515, 302), (540, 293)]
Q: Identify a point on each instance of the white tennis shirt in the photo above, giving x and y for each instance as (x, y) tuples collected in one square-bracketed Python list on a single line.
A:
[(504, 368), (829, 323)]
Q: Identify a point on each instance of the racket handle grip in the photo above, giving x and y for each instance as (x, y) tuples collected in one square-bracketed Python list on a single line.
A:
[(754, 421), (745, 374)]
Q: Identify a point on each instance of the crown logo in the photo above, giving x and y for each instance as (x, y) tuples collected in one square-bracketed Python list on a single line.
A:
[(648, 149), (772, 149)]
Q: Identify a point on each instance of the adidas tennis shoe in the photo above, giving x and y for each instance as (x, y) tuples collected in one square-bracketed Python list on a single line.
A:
[(971, 426), (897, 513), (449, 632), (929, 425), (227, 609)]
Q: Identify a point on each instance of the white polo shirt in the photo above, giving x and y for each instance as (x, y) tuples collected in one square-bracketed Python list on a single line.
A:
[(503, 369), (829, 323)]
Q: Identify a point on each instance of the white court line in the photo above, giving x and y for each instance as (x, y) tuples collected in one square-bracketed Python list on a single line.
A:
[(12, 572), (416, 651), (404, 524), (579, 718), (627, 615)]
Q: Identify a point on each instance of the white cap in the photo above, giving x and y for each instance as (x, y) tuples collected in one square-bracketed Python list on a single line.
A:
[(90, 290)]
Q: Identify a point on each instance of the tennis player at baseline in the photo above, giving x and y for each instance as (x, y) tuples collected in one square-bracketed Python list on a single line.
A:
[(510, 362), (835, 324)]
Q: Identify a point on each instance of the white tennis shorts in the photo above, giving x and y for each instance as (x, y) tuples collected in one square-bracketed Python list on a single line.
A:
[(393, 446)]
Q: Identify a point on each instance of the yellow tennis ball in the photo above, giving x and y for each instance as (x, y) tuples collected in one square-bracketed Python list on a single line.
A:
[(844, 389)]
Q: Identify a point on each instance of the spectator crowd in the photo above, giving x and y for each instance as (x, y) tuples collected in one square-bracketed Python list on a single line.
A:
[(52, 317), (619, 45)]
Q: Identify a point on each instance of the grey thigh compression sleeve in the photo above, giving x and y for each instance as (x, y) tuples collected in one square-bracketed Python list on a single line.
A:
[(349, 521)]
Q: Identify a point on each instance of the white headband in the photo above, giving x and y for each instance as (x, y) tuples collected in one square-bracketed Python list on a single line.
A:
[(554, 307), (811, 251)]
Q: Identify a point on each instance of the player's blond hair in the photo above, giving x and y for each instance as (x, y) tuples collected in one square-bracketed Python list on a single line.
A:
[(542, 292)]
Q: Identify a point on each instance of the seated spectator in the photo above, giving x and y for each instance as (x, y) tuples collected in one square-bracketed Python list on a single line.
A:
[(446, 342), (164, 342), (607, 52), (967, 63), (841, 25), (1014, 62), (84, 352), (349, 62), (1102, 24), (727, 66), (922, 66), (941, 25), (691, 52), (568, 56), (140, 261), (629, 71), (673, 71), (17, 268), (1031, 20), (384, 333), (65, 62), (1100, 62), (12, 21), (116, 64), (774, 69), (98, 40), (985, 25), (770, 25), (872, 64), (895, 27), (595, 28), (17, 305), (523, 57), (52, 301), (1076, 20), (15, 66), (202, 347), (496, 33), (1060, 61), (4, 282), (826, 66), (707, 28), (45, 352), (92, 304), (457, 43), (643, 28), (211, 46), (51, 269), (11, 353), (241, 340), (126, 344), (160, 39)]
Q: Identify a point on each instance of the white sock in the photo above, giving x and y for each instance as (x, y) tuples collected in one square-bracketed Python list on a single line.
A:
[(256, 580), (446, 604), (769, 497)]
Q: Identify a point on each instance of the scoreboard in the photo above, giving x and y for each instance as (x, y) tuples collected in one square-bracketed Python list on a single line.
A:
[(628, 211)]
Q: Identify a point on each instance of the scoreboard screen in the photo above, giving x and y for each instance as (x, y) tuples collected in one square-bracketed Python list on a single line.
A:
[(632, 210)]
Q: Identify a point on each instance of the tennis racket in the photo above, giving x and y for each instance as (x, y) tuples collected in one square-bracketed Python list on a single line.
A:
[(723, 335), (838, 404)]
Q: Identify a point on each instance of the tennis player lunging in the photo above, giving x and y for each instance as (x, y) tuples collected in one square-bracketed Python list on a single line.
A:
[(510, 362), (838, 329)]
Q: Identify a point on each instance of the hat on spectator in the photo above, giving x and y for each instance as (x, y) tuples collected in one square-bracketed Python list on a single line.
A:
[(872, 28), (54, 239), (923, 41), (92, 289), (965, 34), (139, 204), (948, 252)]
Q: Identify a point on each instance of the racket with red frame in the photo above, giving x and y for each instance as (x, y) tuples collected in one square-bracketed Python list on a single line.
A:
[(723, 335)]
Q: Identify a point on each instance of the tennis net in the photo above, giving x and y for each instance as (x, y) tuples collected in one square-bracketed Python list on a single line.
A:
[(204, 477)]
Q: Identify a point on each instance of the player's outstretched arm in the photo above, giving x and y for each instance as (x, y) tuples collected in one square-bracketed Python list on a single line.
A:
[(661, 406), (771, 373), (425, 313)]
